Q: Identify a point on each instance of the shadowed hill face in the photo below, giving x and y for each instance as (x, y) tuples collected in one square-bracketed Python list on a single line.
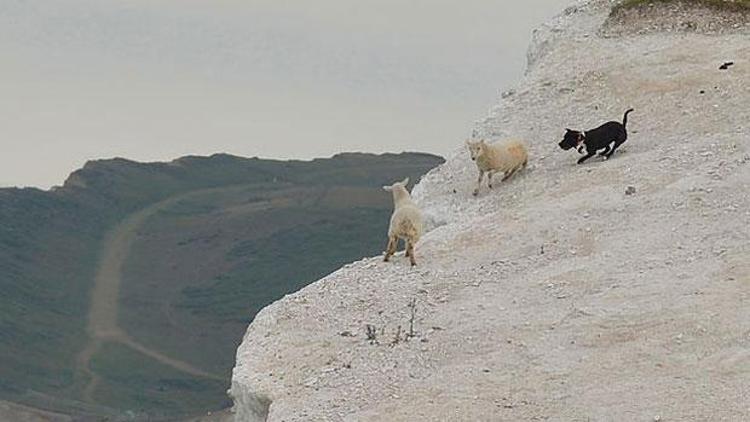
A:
[(735, 5), (182, 256)]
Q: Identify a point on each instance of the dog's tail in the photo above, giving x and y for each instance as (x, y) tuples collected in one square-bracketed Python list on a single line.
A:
[(625, 118)]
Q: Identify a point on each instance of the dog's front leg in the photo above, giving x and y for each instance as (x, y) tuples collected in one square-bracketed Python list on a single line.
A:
[(586, 157), (479, 182)]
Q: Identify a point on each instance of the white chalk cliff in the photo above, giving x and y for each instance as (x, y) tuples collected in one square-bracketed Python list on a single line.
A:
[(555, 296)]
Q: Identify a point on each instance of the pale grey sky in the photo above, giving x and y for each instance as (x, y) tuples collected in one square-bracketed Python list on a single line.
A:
[(157, 79)]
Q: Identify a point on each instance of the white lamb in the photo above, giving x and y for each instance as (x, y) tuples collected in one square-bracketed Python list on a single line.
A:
[(507, 157), (406, 221)]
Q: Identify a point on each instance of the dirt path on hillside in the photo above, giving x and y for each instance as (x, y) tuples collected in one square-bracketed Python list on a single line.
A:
[(18, 412), (104, 307)]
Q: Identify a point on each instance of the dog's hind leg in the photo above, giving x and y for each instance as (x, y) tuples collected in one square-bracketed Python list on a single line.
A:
[(606, 150), (614, 148)]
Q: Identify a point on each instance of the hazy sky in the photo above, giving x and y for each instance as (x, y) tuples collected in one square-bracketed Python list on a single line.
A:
[(155, 80)]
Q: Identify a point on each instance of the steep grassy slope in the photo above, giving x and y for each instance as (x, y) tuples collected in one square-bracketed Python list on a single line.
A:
[(48, 250), (185, 297)]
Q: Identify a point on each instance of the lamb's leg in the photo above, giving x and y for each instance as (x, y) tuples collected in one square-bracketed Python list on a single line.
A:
[(479, 182), (489, 178), (509, 174), (391, 248), (410, 252)]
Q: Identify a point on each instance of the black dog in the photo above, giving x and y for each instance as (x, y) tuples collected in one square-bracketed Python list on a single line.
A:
[(595, 139)]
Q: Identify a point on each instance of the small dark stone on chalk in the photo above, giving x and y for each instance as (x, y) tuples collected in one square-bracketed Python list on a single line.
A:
[(726, 65)]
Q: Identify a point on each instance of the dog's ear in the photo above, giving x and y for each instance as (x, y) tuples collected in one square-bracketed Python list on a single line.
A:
[(567, 130)]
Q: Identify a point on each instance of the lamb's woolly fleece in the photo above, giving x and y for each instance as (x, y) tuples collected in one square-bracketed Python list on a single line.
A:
[(406, 221), (503, 156)]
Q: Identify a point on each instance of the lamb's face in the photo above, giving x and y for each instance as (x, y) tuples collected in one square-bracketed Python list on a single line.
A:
[(475, 149)]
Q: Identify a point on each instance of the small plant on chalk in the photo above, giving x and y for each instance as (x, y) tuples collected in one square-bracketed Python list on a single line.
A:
[(397, 337), (413, 309), (372, 334)]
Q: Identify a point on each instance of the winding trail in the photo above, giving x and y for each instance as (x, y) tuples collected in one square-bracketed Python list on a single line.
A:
[(103, 310)]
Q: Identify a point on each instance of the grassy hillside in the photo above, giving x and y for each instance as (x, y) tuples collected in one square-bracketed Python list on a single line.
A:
[(232, 235), (284, 238)]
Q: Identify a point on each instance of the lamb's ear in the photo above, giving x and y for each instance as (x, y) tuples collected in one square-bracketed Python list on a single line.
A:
[(405, 181), (387, 188), (469, 142)]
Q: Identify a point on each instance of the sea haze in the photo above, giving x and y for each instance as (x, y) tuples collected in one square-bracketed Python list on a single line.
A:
[(154, 80)]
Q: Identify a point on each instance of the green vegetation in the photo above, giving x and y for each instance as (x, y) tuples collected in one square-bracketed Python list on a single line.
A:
[(44, 274), (733, 5), (243, 233), (142, 388)]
